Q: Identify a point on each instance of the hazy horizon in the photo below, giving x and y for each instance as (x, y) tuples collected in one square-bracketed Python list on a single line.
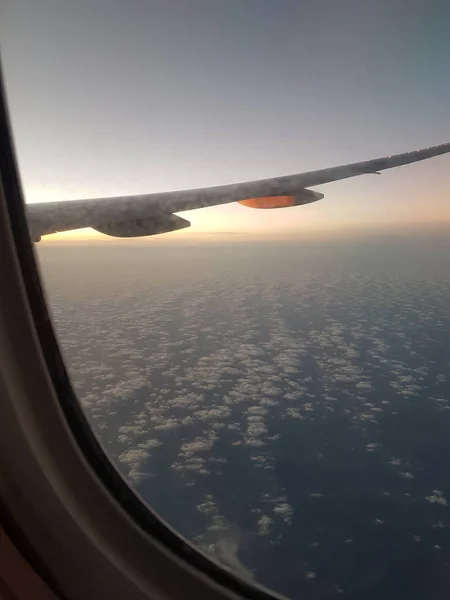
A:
[(181, 239)]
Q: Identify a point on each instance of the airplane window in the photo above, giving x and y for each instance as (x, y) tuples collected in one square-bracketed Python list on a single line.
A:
[(263, 356)]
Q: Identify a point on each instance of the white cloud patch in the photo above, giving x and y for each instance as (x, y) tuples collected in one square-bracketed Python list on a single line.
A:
[(285, 510), (264, 525), (437, 497)]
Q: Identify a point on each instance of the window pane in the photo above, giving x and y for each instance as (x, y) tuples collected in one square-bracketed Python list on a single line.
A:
[(275, 384)]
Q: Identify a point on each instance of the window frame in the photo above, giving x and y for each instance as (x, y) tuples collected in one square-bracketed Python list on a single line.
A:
[(66, 507)]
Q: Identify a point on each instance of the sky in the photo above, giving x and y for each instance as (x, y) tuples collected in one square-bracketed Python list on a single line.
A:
[(111, 97)]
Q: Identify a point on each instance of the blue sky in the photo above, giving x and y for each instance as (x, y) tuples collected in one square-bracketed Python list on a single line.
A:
[(112, 98)]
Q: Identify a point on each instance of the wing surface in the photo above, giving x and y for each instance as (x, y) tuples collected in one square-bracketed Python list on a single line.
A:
[(50, 217)]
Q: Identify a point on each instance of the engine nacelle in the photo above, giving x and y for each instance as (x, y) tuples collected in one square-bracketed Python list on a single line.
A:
[(301, 197), (142, 227)]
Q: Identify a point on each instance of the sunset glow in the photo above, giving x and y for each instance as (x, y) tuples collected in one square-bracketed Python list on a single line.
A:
[(138, 116)]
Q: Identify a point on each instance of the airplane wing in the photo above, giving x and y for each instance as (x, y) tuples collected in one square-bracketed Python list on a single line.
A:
[(149, 214)]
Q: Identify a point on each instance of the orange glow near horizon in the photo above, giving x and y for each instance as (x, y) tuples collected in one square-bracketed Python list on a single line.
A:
[(181, 238)]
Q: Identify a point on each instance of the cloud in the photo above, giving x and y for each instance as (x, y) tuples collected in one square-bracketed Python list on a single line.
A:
[(437, 497), (200, 364), (285, 510), (133, 456), (207, 507), (294, 413), (198, 445), (372, 447), (264, 525)]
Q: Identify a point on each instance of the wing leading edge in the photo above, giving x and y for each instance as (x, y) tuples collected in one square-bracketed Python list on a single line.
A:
[(101, 213)]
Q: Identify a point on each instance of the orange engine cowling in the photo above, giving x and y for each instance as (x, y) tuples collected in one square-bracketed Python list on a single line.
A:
[(297, 199)]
